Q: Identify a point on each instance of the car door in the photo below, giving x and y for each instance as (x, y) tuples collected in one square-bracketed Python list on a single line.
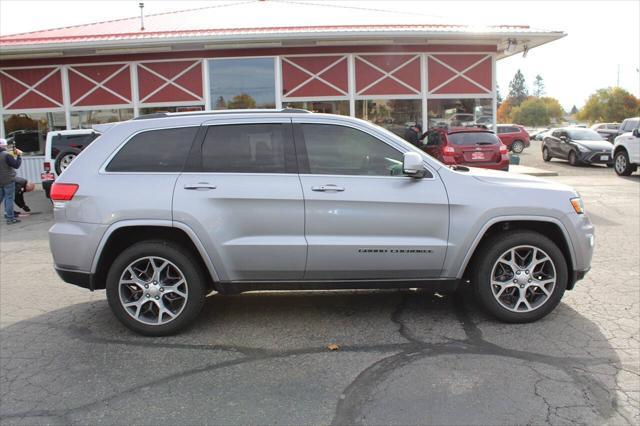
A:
[(363, 218), (554, 144), (240, 193)]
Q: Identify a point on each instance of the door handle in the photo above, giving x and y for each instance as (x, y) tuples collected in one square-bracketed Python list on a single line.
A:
[(327, 188), (200, 185)]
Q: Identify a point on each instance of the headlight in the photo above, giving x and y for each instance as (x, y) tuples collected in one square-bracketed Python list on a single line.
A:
[(577, 205), (582, 148)]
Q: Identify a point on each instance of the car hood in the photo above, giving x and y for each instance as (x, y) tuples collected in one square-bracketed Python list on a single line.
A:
[(516, 180), (595, 145)]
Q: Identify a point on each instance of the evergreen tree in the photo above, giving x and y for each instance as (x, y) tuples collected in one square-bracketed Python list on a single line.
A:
[(518, 91), (498, 95), (538, 86), (574, 110)]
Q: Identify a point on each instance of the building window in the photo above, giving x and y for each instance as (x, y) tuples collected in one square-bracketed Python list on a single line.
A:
[(459, 112), (154, 110), (86, 119), (326, 107), (242, 83), (394, 115), (29, 131)]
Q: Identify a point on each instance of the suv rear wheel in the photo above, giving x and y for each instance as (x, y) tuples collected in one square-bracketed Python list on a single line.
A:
[(154, 289), (517, 147), (520, 276)]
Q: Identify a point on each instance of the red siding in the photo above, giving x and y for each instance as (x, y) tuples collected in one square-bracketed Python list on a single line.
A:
[(314, 76), (387, 75), (95, 85), (31, 88), (177, 81), (460, 74)]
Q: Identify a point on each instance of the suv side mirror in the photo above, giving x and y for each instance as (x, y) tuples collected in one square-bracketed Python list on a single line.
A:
[(636, 132), (412, 165)]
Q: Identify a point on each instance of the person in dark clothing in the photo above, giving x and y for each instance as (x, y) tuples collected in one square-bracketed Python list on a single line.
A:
[(22, 186), (413, 135), (8, 166)]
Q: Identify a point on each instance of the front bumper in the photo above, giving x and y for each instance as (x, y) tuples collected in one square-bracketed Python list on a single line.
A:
[(596, 157)]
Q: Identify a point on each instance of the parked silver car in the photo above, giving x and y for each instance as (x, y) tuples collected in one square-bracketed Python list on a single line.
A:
[(161, 210)]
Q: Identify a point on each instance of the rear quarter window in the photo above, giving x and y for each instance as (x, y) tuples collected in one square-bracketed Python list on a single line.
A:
[(162, 150)]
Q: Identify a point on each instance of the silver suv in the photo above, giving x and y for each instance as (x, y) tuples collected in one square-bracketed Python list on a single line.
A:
[(163, 209)]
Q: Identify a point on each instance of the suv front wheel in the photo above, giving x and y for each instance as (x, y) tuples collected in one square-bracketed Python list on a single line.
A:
[(520, 276), (154, 289)]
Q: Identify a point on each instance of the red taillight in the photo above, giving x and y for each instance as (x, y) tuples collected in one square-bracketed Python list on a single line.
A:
[(47, 166), (63, 191), (449, 150), (503, 149)]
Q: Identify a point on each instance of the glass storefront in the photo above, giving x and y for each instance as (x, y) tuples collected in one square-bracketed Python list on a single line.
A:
[(392, 114), (86, 119), (28, 131), (242, 83), (459, 112), (326, 107), (153, 110)]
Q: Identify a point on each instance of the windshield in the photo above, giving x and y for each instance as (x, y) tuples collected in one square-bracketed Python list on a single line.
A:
[(584, 135), (473, 138)]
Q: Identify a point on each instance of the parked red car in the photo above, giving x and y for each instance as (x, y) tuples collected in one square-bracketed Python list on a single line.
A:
[(468, 146), (514, 136)]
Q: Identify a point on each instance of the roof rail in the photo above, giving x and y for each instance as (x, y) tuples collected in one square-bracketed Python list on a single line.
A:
[(220, 112)]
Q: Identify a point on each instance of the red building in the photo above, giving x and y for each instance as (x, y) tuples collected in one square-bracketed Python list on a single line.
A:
[(389, 68)]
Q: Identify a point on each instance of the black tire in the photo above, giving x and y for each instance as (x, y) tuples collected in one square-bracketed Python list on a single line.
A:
[(573, 158), (517, 147), (193, 275), (489, 252), (63, 160), (545, 154), (623, 166)]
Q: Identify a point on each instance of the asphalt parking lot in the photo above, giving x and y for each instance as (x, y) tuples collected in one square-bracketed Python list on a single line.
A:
[(404, 357)]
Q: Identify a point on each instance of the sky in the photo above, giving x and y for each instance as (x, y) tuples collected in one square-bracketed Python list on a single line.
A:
[(602, 45)]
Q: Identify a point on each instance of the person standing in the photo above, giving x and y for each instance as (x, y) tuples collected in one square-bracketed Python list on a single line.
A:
[(8, 166), (413, 135)]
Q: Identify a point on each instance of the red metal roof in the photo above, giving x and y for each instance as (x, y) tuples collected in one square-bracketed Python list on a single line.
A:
[(252, 18)]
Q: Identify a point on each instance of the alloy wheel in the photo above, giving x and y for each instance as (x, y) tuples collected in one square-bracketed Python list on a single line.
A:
[(517, 147), (621, 163), (523, 278), (153, 290)]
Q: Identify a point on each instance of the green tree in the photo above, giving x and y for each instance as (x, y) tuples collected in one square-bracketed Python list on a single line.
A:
[(531, 112), (242, 101), (554, 109), (518, 91), (612, 104), (538, 86)]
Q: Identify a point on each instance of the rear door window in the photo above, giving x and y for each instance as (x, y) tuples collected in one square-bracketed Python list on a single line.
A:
[(162, 150), (248, 148)]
